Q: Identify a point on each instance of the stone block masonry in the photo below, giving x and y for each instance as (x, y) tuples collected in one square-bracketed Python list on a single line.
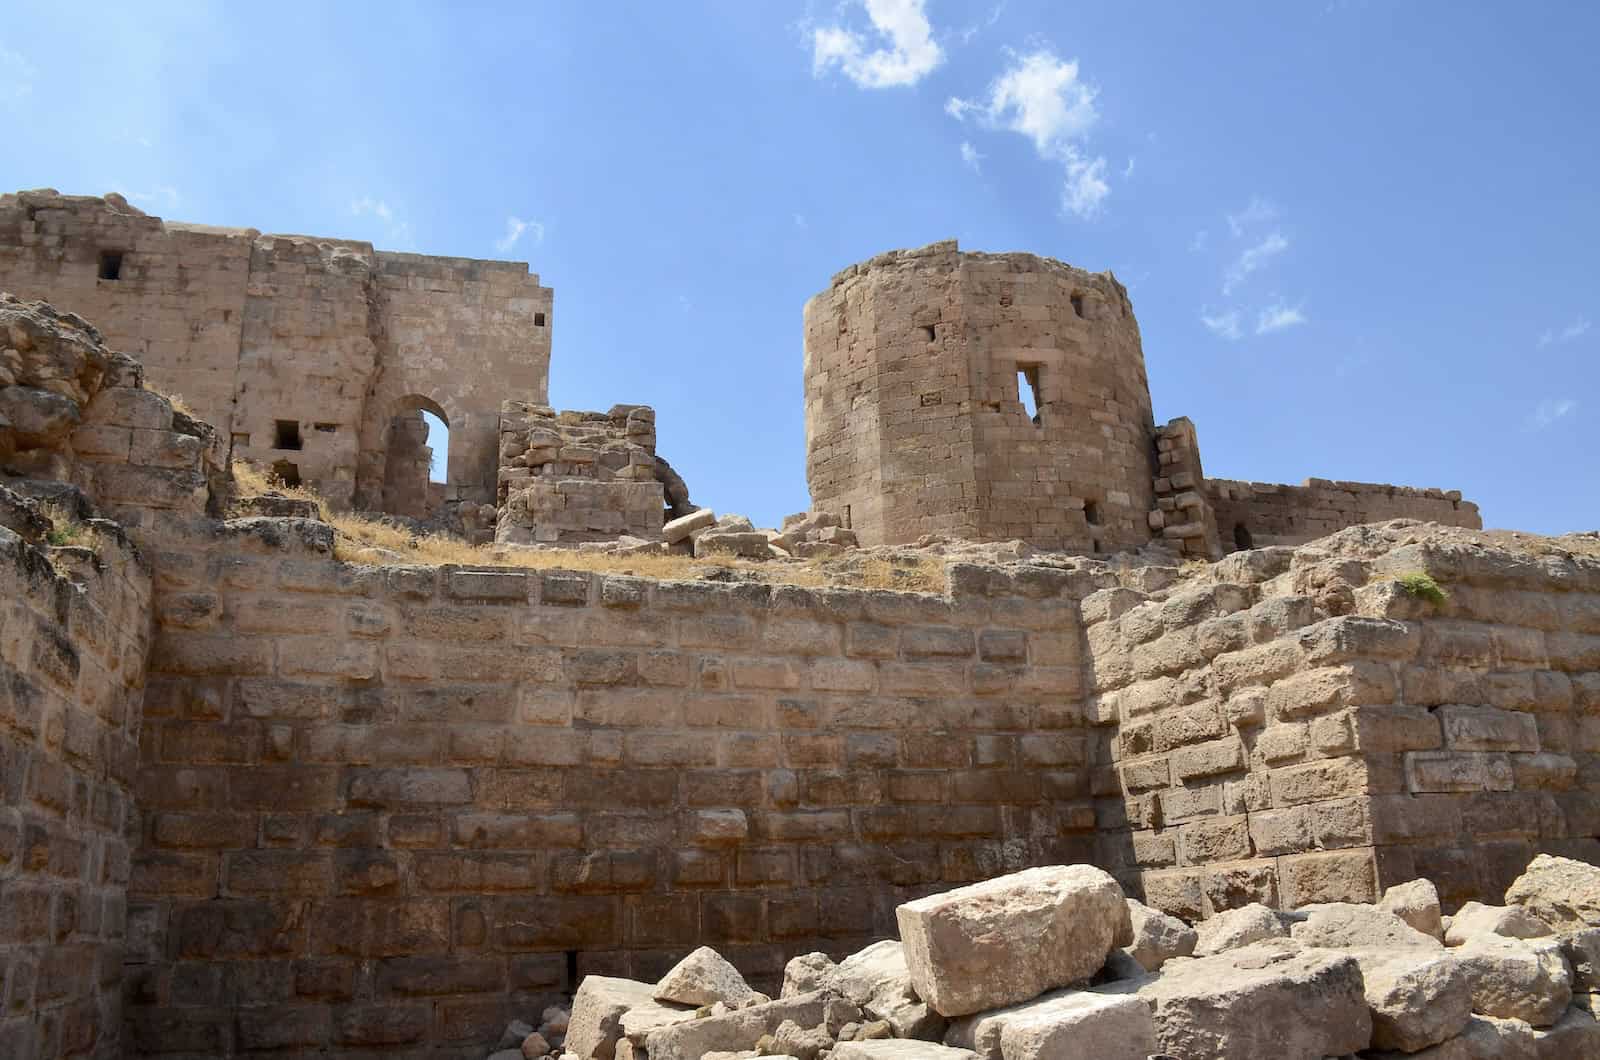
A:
[(300, 351), (397, 807)]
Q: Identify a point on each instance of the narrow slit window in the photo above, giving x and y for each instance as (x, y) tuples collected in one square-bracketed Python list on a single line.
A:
[(1077, 304), (1091, 513), (286, 434), (1028, 390), (1242, 538), (111, 264), (327, 428), (538, 320)]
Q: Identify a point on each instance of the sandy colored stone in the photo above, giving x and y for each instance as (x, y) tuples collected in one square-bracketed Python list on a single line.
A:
[(878, 979), (1417, 998), (1524, 979), (1061, 1023), (1512, 922), (1484, 1038), (1012, 938), (1344, 925), (1417, 903), (1157, 936), (1560, 891), (597, 1010), (1234, 928), (897, 1049), (701, 978), (1575, 1036), (807, 972), (1272, 1000), (737, 1030)]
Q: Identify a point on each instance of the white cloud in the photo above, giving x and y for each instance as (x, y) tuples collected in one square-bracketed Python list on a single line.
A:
[(1252, 259), (161, 197), (1259, 211), (906, 53), (1577, 329), (976, 28), (971, 156), (16, 77), (1127, 170), (1041, 97), (1550, 411), (516, 228), (397, 232), (1278, 316), (1224, 325)]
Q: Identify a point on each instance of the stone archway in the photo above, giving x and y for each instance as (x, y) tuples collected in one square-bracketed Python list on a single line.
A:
[(408, 457)]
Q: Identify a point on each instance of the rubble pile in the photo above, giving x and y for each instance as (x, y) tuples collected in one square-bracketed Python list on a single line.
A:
[(1057, 962)]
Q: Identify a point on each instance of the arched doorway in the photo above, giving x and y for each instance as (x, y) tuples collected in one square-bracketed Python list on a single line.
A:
[(415, 444)]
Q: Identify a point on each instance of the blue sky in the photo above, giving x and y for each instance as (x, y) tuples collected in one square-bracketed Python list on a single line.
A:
[(1360, 237)]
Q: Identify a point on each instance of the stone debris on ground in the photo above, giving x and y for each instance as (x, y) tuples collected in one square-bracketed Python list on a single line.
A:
[(1055, 963)]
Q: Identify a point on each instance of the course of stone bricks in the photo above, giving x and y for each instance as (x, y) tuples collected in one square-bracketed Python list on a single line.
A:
[(260, 798)]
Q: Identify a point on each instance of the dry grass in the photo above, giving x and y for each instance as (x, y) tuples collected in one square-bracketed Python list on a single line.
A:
[(355, 534), (65, 529)]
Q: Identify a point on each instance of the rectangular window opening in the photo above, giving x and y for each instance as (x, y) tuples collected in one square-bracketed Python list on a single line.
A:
[(847, 517), (287, 473), (240, 440), (1028, 390), (538, 320), (928, 332), (286, 434), (111, 264), (1077, 304), (327, 428)]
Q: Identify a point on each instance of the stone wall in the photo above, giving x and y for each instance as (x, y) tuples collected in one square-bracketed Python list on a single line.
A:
[(578, 476), (394, 807), (1299, 728), (298, 349), (74, 629), (914, 419), (1253, 514)]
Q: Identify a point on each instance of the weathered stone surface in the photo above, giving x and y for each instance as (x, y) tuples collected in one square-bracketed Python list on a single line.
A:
[(878, 979), (898, 1049), (1272, 1000), (741, 1029), (1011, 938), (1343, 925), (1063, 1023), (808, 972), (1157, 936), (1512, 922), (643, 1019), (1238, 927), (1417, 903), (1582, 951), (675, 530), (1417, 998), (1575, 1036), (1485, 1038), (702, 978), (1525, 979), (597, 1011), (1560, 891)]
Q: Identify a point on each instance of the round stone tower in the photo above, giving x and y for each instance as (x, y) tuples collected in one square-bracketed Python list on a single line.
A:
[(987, 396)]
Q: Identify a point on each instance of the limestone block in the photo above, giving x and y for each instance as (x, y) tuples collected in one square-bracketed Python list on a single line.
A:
[(1157, 937), (1517, 978), (1062, 1023), (127, 407), (1011, 938), (1417, 903), (1235, 928), (1560, 891), (1582, 951), (1272, 1000), (1575, 1036), (878, 979), (1512, 922), (747, 544), (1484, 1038), (898, 1049), (1417, 998), (808, 972), (597, 1011), (703, 978), (1345, 925), (678, 529), (740, 1029), (39, 419)]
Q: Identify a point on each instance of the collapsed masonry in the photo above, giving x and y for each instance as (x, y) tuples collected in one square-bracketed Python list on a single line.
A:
[(258, 798)]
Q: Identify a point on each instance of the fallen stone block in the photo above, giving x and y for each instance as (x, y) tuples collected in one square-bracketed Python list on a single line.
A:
[(1582, 951), (675, 530), (1344, 925), (1560, 891), (1417, 998), (1417, 903), (746, 544), (879, 980), (1271, 1000), (702, 978), (1236, 928), (897, 1049), (1575, 1036), (807, 972), (1525, 979), (1485, 1038), (1157, 936), (1063, 1023), (733, 1031), (1507, 921), (644, 1019), (1012, 938), (597, 1010)]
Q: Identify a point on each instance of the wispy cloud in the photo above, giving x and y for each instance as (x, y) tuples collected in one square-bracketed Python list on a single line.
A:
[(397, 232), (1224, 325), (16, 77), (1260, 211), (161, 197), (1575, 330), (898, 51), (1040, 96), (1252, 259), (1127, 170), (971, 156), (516, 228), (1278, 316), (799, 220), (1548, 412)]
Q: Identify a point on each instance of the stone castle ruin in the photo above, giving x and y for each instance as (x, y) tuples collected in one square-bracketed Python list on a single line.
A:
[(259, 797)]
